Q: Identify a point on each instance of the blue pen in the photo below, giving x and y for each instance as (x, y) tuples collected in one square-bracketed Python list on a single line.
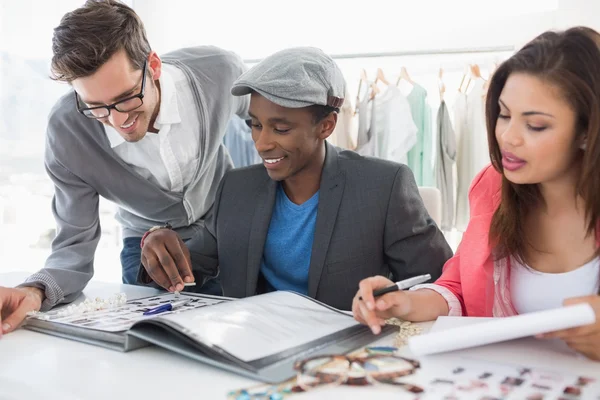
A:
[(166, 307)]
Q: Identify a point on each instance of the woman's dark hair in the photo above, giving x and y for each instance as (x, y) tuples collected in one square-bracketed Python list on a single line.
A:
[(569, 60)]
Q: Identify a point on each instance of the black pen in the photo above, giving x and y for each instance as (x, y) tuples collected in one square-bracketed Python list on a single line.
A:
[(405, 284)]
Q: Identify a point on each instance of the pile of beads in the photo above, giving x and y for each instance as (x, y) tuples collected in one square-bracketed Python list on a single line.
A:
[(407, 329), (86, 306)]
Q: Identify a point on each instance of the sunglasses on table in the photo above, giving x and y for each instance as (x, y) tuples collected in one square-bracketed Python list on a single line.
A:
[(333, 370)]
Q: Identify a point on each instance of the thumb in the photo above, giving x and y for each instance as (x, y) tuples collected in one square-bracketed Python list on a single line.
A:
[(580, 300), (384, 303), (14, 319), (396, 300), (593, 301)]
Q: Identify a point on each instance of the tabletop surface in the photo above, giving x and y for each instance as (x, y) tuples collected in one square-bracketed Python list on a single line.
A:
[(36, 365)]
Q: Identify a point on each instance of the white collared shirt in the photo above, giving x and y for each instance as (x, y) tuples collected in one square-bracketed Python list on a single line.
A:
[(168, 158)]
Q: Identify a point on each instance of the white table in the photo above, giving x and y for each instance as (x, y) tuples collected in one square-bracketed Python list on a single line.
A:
[(35, 365)]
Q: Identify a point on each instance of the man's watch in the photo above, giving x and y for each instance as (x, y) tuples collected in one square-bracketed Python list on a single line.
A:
[(153, 229)]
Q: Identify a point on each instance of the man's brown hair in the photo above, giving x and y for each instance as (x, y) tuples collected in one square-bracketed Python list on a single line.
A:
[(88, 36)]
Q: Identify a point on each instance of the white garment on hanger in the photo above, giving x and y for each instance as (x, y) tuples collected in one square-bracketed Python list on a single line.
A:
[(366, 144), (344, 134), (478, 129), (473, 152), (393, 126)]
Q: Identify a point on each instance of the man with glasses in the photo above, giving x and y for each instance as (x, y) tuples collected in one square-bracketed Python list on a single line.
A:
[(142, 131)]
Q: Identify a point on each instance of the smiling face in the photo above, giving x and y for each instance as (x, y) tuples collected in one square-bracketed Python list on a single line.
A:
[(536, 131), (289, 140), (115, 80)]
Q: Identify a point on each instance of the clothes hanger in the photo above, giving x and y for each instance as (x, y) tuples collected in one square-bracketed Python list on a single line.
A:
[(474, 73), (404, 75), (487, 82), (363, 75), (374, 90), (363, 78), (486, 85), (381, 77)]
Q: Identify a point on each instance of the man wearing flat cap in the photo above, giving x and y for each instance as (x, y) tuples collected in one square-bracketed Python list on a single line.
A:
[(312, 218)]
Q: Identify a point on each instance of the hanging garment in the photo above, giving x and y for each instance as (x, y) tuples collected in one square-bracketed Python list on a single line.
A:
[(239, 143), (473, 153), (476, 121), (420, 157), (393, 126), (366, 144), (463, 182), (444, 164), (344, 134)]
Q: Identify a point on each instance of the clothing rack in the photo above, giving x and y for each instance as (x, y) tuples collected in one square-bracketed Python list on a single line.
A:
[(467, 50)]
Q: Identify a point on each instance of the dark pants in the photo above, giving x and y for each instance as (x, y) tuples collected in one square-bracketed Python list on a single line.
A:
[(131, 262)]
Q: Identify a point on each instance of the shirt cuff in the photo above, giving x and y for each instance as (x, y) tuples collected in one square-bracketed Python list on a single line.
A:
[(454, 306), (53, 294)]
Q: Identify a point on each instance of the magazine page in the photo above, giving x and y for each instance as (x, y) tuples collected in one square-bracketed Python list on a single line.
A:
[(263, 325)]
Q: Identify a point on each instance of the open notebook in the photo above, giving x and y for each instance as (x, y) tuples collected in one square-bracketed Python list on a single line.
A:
[(260, 337)]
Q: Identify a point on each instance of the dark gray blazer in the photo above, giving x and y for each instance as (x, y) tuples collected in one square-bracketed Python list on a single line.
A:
[(370, 221)]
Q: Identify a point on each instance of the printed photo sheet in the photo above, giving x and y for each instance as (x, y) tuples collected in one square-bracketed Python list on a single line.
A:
[(122, 318), (474, 379)]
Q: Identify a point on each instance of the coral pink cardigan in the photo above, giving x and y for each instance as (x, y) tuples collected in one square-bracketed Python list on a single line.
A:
[(472, 282)]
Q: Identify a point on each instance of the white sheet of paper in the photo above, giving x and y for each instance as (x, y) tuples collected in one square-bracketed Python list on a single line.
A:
[(445, 323), (500, 329), (263, 325)]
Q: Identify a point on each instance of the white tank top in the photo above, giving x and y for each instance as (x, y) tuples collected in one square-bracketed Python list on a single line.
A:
[(532, 290)]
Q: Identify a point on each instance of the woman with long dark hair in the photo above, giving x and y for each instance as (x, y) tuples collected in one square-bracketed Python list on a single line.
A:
[(533, 241)]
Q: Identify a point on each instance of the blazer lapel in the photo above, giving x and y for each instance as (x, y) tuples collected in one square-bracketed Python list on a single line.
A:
[(265, 201), (330, 196)]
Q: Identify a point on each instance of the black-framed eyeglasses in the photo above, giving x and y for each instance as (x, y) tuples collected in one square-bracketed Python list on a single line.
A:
[(126, 105)]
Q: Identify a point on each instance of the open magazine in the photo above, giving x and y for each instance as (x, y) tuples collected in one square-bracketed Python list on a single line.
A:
[(259, 336)]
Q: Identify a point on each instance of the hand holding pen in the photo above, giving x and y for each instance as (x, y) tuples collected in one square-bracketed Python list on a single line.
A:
[(402, 285), (372, 308)]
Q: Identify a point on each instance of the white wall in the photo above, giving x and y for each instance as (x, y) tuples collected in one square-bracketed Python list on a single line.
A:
[(257, 28), (578, 12), (26, 25)]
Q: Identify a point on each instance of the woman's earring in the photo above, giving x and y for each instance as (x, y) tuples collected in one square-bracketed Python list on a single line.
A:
[(583, 144)]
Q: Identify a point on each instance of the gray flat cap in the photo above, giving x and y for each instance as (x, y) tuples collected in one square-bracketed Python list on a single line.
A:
[(294, 78)]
